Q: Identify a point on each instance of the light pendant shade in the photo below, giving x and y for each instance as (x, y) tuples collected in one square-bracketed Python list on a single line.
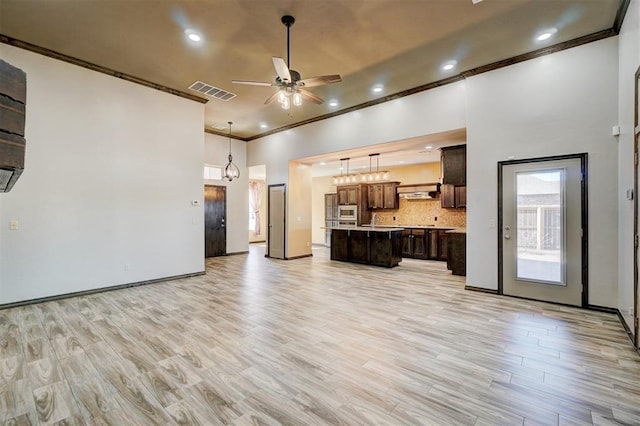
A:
[(231, 171)]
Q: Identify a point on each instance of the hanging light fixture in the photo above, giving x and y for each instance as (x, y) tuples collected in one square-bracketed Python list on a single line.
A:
[(347, 178), (231, 171), (377, 176)]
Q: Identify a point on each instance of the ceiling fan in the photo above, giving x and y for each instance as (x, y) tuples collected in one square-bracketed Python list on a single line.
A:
[(291, 85)]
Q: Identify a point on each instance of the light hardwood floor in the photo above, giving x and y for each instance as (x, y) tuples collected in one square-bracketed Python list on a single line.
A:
[(311, 341)]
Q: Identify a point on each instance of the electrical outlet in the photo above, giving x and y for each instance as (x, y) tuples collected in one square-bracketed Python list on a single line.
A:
[(126, 266)]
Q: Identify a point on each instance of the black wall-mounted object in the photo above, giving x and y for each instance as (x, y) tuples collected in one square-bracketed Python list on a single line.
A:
[(13, 99)]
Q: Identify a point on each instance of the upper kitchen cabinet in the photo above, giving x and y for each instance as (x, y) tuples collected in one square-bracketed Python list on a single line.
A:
[(454, 165), (454, 176), (355, 195), (383, 195), (348, 195)]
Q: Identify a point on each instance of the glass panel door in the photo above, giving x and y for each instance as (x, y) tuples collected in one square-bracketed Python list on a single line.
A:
[(540, 235)]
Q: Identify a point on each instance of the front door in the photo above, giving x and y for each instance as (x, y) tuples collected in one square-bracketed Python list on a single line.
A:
[(541, 217), (276, 226), (215, 217)]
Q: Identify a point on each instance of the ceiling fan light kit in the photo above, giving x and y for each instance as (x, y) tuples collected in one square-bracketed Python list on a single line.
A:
[(291, 86)]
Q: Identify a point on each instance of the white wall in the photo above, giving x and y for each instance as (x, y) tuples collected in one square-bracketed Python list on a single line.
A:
[(629, 56), (111, 169), (562, 103), (216, 151)]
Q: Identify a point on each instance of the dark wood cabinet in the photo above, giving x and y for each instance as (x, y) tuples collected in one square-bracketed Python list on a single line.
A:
[(380, 248), (454, 177), (383, 195), (452, 196), (443, 241), (457, 253), (454, 165), (340, 245), (419, 243), (360, 248), (385, 248), (355, 195), (348, 195), (13, 98)]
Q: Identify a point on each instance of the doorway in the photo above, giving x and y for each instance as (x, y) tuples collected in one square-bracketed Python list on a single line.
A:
[(277, 216), (542, 216), (215, 218)]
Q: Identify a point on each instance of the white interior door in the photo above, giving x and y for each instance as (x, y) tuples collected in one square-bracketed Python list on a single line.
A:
[(276, 225), (542, 230)]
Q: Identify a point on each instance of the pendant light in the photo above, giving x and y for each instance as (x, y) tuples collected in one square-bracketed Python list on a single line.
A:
[(232, 171)]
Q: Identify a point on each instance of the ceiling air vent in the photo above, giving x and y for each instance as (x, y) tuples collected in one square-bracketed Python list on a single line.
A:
[(214, 92)]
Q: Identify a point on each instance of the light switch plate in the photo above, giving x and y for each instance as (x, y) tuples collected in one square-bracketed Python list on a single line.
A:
[(14, 225)]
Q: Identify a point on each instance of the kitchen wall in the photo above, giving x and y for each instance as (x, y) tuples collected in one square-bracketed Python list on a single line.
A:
[(423, 212), (629, 55), (216, 151), (105, 197), (410, 212)]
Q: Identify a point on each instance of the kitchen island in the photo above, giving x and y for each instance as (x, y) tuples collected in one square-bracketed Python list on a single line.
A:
[(371, 245)]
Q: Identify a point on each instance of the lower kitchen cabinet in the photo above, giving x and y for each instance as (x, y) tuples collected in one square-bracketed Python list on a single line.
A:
[(420, 243), (457, 252), (339, 245), (380, 248)]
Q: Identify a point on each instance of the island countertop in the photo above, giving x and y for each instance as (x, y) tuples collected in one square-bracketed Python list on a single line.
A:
[(364, 228)]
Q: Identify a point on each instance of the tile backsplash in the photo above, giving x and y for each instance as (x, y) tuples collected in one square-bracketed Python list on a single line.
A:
[(422, 212)]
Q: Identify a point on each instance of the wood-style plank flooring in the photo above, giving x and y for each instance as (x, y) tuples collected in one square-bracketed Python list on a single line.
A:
[(311, 342)]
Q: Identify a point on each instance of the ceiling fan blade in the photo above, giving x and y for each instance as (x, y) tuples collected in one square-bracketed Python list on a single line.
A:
[(320, 80), (271, 98), (310, 96), (281, 69), (252, 83)]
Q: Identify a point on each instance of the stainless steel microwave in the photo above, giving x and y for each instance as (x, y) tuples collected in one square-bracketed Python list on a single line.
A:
[(348, 213)]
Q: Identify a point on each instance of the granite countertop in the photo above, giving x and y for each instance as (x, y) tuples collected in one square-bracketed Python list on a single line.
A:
[(377, 228), (416, 227), (457, 231)]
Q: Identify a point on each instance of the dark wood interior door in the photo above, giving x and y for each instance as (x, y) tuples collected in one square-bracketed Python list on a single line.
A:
[(215, 218)]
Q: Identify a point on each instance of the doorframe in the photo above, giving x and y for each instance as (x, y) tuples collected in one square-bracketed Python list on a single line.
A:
[(204, 219), (284, 240), (583, 157), (636, 136)]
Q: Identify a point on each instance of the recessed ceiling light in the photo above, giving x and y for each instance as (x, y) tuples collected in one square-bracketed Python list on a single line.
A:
[(263, 125), (193, 35), (322, 163), (448, 66), (333, 103), (400, 162), (546, 34), (428, 147), (218, 126), (377, 88)]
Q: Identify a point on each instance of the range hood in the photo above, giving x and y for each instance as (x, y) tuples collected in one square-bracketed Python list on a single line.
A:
[(421, 191)]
